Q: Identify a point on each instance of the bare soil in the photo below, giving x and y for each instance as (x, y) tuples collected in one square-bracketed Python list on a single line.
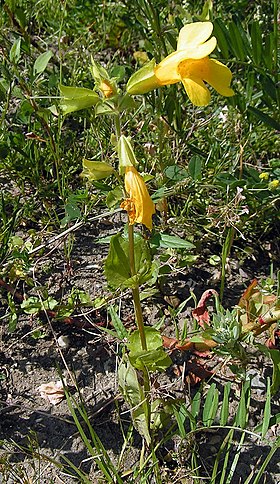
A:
[(91, 357)]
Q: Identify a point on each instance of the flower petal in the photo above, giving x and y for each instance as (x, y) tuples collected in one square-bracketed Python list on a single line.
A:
[(197, 91), (219, 77), (166, 71), (142, 207), (201, 51), (193, 35)]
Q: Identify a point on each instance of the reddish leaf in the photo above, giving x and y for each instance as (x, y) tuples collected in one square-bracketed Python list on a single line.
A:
[(247, 294), (200, 313), (273, 343), (196, 372), (169, 343)]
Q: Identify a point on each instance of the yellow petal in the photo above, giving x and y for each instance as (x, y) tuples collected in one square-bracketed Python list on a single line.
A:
[(166, 71), (193, 35), (107, 88), (190, 46), (201, 51), (197, 91), (140, 207), (219, 76)]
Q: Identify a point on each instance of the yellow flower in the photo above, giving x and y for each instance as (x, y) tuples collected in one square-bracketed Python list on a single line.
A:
[(191, 65), (107, 88), (264, 176), (139, 205), (273, 184)]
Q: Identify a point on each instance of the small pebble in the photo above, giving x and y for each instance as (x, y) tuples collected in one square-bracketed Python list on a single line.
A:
[(63, 342)]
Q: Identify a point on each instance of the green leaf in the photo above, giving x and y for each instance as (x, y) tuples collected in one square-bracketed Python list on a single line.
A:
[(210, 406), (20, 16), (41, 62), (133, 394), (176, 173), (196, 401), (118, 72), (49, 303), (153, 339), (236, 44), (171, 37), (269, 87), (154, 358), (268, 120), (161, 412), (181, 414), (114, 197), (13, 316), (117, 323), (76, 98), (274, 420), (275, 356), (245, 38), (117, 265), (221, 34), (256, 41), (105, 107), (13, 320), (195, 167), (166, 241), (31, 305), (15, 51), (225, 405), (126, 102), (267, 410), (72, 212), (242, 411), (268, 49)]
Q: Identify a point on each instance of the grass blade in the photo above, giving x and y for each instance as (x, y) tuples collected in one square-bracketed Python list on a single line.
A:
[(210, 405), (267, 409), (242, 411), (265, 463), (225, 405)]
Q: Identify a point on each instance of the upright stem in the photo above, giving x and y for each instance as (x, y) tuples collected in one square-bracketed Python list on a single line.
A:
[(118, 126), (135, 290)]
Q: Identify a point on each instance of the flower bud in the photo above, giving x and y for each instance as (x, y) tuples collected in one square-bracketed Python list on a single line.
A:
[(126, 154), (144, 80), (96, 170), (102, 80)]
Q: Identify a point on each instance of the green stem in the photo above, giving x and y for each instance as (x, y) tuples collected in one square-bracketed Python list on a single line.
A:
[(156, 26), (118, 126), (136, 301), (275, 38), (225, 253), (140, 324), (135, 290)]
